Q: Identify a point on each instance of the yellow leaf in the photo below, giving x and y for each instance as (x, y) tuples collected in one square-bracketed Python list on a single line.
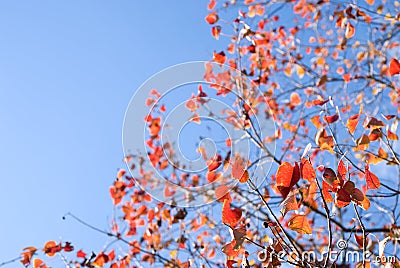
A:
[(299, 223), (300, 71)]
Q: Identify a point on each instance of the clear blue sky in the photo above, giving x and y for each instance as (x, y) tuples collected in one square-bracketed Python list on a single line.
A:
[(67, 72)]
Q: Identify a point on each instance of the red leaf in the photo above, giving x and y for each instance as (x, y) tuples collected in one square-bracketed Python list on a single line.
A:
[(357, 195), (228, 142), (359, 240), (307, 171), (331, 118), (343, 195), (389, 116), (371, 179), (342, 171), (81, 254), (212, 18), (394, 67), (286, 177), (68, 247), (319, 102), (213, 176), (211, 5), (346, 77), (111, 255), (230, 263), (230, 216), (214, 163)]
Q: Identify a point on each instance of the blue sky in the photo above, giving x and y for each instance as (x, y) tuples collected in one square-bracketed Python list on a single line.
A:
[(67, 72)]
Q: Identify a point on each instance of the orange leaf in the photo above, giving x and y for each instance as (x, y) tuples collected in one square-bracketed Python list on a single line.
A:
[(27, 255), (375, 134), (371, 179), (299, 223), (230, 216), (219, 57), (316, 121), (230, 250), (394, 67), (245, 177), (319, 102), (38, 263), (215, 31), (290, 203), (121, 173), (212, 18), (392, 136), (382, 153), (370, 2), (365, 203), (211, 5), (214, 163), (295, 100), (195, 118), (192, 105), (154, 127), (349, 30), (325, 192), (228, 142), (307, 171), (51, 248), (222, 193), (352, 123), (100, 260)]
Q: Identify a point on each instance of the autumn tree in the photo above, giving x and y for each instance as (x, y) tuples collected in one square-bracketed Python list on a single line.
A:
[(295, 147)]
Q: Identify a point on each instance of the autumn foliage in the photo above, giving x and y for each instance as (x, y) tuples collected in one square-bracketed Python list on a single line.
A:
[(328, 74)]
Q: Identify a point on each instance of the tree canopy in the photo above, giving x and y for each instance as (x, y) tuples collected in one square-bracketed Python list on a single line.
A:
[(306, 169)]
